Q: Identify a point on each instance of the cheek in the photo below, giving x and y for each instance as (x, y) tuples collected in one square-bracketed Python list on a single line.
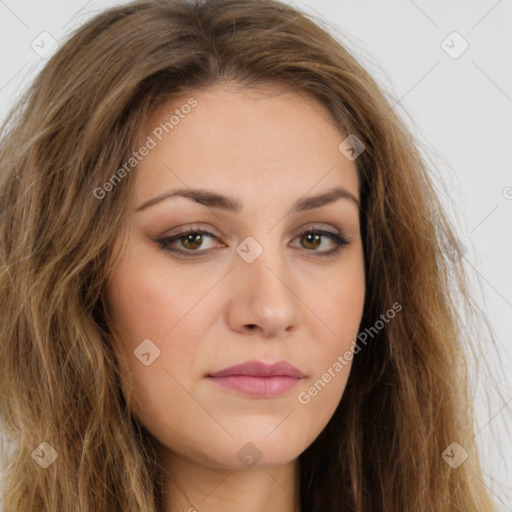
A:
[(151, 301), (333, 356), (149, 313), (146, 300), (341, 309)]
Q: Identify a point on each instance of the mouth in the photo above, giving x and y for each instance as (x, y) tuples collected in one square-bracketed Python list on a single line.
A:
[(258, 379)]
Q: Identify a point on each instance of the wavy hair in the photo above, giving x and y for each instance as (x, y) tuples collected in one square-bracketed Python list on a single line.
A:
[(407, 397)]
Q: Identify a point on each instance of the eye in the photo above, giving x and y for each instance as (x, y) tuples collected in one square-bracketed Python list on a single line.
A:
[(313, 238), (192, 239)]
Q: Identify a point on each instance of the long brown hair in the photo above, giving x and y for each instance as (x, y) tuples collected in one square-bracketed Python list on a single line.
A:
[(407, 398)]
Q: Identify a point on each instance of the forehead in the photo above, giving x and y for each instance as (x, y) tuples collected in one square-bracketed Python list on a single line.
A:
[(271, 138)]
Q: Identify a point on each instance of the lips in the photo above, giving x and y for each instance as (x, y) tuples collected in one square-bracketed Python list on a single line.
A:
[(258, 379), (258, 369)]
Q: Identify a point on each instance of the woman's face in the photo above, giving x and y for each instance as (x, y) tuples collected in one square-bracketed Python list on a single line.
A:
[(250, 284)]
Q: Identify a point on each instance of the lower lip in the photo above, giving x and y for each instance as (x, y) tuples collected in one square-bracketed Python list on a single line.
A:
[(262, 387)]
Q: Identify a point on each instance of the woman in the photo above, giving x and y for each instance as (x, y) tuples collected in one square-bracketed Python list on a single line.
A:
[(226, 278)]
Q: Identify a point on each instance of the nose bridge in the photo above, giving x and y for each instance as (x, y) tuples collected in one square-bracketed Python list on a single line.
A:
[(264, 258), (268, 270)]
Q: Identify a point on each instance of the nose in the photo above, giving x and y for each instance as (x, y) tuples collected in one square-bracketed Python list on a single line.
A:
[(263, 301)]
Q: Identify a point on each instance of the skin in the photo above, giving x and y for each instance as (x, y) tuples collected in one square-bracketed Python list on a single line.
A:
[(268, 148)]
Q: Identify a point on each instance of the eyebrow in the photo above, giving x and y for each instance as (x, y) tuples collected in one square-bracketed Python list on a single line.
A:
[(231, 204)]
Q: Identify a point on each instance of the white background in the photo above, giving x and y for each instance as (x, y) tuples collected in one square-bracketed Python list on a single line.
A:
[(460, 108)]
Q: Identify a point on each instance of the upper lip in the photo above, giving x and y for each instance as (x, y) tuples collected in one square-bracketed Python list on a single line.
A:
[(259, 369)]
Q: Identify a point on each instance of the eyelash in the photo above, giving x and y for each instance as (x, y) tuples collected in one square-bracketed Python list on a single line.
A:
[(339, 239)]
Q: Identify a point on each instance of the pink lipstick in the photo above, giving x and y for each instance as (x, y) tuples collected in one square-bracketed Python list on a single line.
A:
[(258, 379)]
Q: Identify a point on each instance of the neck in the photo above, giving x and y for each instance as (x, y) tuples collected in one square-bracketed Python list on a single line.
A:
[(200, 488)]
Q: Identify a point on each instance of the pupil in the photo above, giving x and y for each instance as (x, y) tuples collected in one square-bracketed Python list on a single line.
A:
[(313, 236), (190, 239)]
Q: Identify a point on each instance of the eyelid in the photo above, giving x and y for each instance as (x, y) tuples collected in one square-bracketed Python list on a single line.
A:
[(196, 228), (318, 226)]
